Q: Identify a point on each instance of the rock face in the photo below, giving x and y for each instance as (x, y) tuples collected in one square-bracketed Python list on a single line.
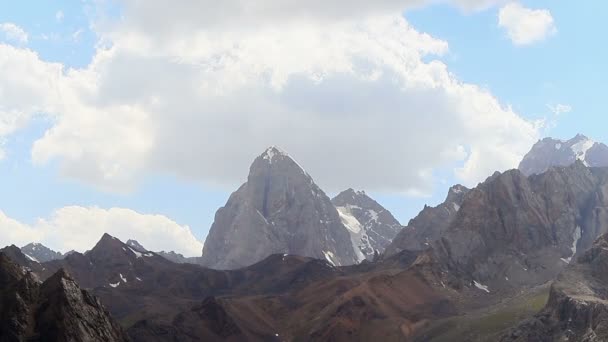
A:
[(429, 225), (577, 309), (514, 231), (552, 152), (278, 210), (371, 226), (56, 310), (40, 253)]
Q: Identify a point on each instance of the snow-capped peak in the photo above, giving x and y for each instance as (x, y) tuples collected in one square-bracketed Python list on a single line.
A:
[(273, 152)]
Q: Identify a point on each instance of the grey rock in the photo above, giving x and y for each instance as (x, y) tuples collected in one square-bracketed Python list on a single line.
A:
[(278, 210), (56, 310), (371, 226), (514, 231), (429, 224), (136, 246), (41, 253), (551, 152), (577, 309)]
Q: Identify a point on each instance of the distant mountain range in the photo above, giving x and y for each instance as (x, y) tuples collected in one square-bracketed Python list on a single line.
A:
[(520, 257), (551, 152)]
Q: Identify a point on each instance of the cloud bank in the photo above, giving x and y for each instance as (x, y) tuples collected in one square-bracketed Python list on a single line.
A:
[(79, 228), (355, 93)]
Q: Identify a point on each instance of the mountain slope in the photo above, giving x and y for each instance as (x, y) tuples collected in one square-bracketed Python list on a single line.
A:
[(371, 226), (551, 152), (513, 231), (429, 224), (56, 310), (40, 253), (577, 309), (278, 210)]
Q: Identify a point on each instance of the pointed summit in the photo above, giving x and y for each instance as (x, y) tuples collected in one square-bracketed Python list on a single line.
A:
[(40, 252), (275, 158), (273, 152), (278, 210)]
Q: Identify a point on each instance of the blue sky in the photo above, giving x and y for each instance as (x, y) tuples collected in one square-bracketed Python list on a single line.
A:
[(564, 68)]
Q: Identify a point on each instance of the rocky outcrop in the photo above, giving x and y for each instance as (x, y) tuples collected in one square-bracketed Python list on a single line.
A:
[(278, 210), (514, 231), (577, 309), (429, 224), (371, 226), (551, 152), (56, 310)]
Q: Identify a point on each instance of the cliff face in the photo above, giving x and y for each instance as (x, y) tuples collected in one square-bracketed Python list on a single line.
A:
[(56, 310), (429, 224), (278, 210), (577, 309), (513, 230)]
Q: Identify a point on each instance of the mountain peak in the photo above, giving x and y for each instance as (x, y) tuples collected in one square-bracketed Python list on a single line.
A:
[(278, 210), (106, 244), (272, 152), (40, 252), (551, 152), (275, 158)]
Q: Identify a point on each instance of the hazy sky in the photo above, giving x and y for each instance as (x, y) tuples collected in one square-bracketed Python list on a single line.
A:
[(139, 118)]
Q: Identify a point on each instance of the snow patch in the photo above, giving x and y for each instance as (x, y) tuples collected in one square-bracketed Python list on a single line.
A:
[(581, 148), (330, 257), (139, 254), (575, 237), (349, 220), (32, 258), (358, 236), (481, 286), (270, 153), (138, 278), (122, 278), (373, 214), (456, 206), (114, 285)]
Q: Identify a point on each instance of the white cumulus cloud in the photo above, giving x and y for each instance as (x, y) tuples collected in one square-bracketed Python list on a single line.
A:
[(79, 228), (363, 100), (13, 33), (526, 26)]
